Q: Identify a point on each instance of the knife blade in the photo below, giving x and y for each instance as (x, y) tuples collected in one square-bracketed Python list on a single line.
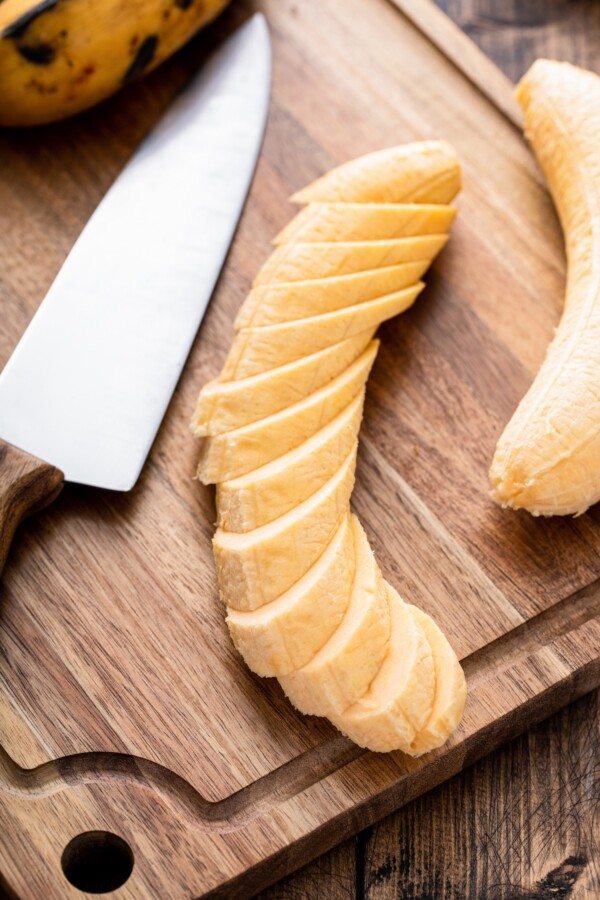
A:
[(88, 384)]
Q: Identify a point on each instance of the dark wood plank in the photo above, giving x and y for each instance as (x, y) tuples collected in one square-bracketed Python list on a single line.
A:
[(516, 32), (332, 876), (522, 824)]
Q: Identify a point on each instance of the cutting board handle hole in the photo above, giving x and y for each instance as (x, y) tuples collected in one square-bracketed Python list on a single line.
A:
[(97, 862)]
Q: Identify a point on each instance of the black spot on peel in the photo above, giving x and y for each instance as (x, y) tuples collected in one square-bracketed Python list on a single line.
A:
[(40, 88), (20, 25), (37, 54), (142, 58), (84, 75), (183, 4)]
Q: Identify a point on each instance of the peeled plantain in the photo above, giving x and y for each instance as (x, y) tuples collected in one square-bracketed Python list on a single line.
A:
[(58, 57), (306, 601), (548, 458)]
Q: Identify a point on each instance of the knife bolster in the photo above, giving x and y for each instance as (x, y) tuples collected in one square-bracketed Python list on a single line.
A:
[(27, 484)]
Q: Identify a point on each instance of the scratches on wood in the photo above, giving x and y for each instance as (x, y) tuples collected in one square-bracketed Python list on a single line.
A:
[(519, 825)]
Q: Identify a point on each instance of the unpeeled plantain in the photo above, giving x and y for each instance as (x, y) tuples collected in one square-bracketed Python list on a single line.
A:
[(548, 458), (58, 57)]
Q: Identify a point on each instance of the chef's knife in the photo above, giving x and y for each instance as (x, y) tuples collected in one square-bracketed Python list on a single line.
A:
[(85, 390)]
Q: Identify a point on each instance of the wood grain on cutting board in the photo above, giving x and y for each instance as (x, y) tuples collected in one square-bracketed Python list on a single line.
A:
[(112, 633)]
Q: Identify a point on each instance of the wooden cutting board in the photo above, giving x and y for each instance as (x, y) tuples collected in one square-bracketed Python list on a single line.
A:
[(123, 707)]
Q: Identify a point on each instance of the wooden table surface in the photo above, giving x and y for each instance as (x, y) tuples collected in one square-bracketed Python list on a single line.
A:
[(523, 824)]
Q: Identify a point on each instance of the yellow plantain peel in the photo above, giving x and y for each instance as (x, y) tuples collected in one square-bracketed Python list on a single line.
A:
[(59, 57), (548, 458)]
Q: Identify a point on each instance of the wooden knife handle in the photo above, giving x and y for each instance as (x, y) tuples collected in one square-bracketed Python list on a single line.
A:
[(27, 484)]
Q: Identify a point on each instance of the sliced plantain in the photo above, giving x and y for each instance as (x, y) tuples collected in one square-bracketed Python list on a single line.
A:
[(400, 698), (322, 222), (227, 456), (256, 350), (277, 303), (306, 599), (426, 172), (265, 494), (300, 262), (285, 634), (341, 672), (256, 567), (450, 691), (224, 406)]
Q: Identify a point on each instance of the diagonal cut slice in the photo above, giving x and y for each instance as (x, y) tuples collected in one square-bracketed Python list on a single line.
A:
[(256, 567), (285, 634), (451, 689), (223, 406), (300, 262), (256, 350), (428, 172), (265, 494), (227, 456), (341, 672), (273, 304), (366, 222), (400, 698)]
